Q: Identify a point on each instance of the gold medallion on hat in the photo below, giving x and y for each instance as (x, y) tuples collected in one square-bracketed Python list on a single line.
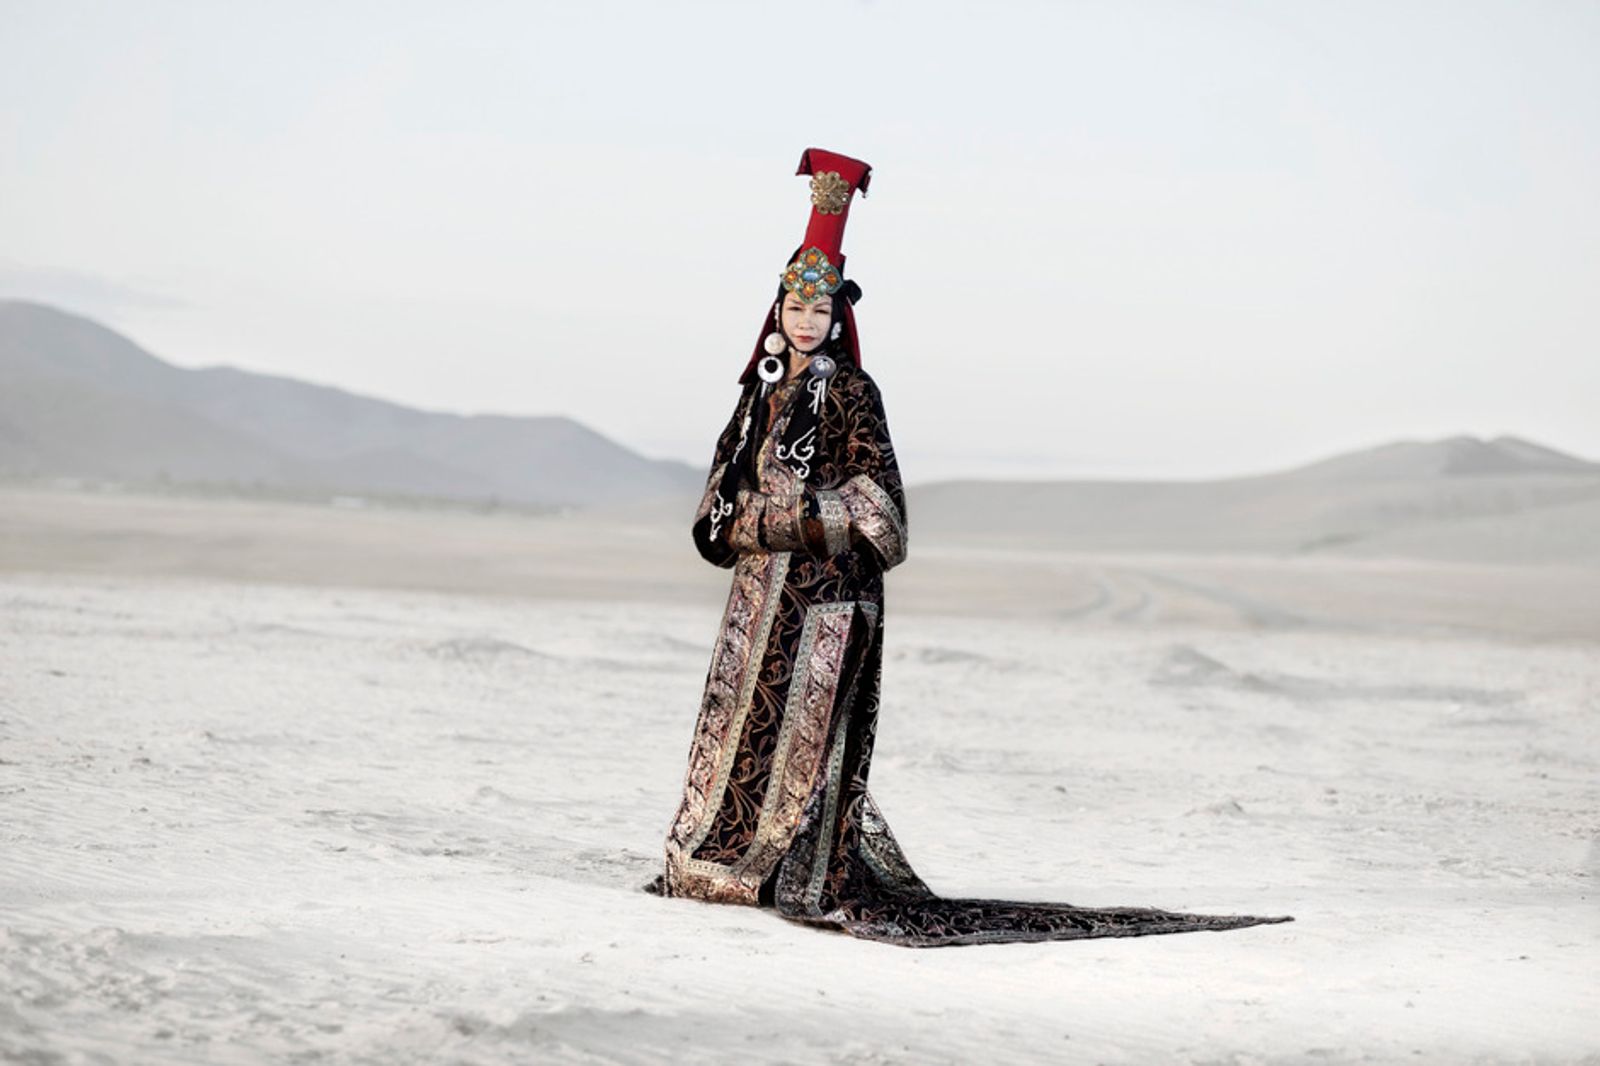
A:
[(829, 192)]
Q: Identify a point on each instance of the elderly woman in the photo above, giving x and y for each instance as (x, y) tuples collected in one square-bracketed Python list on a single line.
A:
[(804, 502)]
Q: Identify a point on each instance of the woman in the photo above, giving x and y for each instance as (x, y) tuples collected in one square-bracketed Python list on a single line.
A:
[(804, 502)]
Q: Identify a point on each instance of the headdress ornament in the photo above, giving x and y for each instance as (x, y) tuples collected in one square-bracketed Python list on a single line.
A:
[(816, 269)]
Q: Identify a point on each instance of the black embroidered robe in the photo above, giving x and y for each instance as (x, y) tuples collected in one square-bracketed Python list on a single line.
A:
[(775, 808)]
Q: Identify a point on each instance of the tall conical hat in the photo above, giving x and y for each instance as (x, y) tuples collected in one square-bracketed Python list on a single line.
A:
[(816, 268)]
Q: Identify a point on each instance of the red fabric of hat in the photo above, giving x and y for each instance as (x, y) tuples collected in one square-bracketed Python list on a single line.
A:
[(835, 180)]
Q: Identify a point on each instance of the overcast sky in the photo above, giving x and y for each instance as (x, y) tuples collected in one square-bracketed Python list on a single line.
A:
[(1121, 239)]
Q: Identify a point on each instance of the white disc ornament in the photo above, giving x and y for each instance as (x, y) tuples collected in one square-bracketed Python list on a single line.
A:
[(770, 369), (775, 344), (823, 367)]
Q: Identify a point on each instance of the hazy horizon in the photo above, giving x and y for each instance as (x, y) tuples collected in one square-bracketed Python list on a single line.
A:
[(1202, 242)]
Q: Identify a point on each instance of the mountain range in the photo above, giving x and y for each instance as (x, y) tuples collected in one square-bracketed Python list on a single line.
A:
[(1461, 498), (79, 400)]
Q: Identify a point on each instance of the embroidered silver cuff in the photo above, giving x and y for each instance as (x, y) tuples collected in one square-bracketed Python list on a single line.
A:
[(876, 518), (835, 521)]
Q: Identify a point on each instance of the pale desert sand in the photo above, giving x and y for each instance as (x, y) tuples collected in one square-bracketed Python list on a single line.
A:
[(283, 784)]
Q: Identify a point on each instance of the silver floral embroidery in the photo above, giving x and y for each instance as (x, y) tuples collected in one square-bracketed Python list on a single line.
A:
[(744, 434), (719, 510), (711, 488), (800, 454), (818, 388)]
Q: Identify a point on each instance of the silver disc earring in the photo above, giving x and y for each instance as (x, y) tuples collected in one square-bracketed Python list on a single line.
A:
[(770, 369), (775, 344)]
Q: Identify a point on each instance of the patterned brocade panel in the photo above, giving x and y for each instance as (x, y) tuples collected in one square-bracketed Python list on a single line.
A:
[(746, 621), (875, 517), (803, 738), (796, 762)]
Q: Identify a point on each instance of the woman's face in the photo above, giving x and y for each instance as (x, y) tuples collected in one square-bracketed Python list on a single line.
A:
[(807, 324)]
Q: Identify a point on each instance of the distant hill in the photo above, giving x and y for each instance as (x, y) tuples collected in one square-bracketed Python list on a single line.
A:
[(1460, 498), (1459, 456), (80, 400)]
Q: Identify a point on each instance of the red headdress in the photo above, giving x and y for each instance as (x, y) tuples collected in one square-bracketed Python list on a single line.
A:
[(816, 269)]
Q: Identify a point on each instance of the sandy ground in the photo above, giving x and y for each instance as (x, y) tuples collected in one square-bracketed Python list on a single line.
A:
[(260, 808), (582, 557)]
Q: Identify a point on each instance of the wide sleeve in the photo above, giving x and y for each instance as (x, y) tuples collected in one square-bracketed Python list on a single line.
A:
[(866, 510), (714, 512), (869, 507)]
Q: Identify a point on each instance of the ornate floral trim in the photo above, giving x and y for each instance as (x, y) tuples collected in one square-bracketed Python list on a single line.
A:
[(835, 521), (730, 688), (876, 518), (830, 811), (802, 739), (834, 786), (748, 511)]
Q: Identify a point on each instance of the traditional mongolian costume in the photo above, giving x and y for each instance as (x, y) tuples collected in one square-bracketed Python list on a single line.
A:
[(804, 503)]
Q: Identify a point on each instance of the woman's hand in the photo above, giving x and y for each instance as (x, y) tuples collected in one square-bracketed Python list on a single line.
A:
[(766, 523)]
